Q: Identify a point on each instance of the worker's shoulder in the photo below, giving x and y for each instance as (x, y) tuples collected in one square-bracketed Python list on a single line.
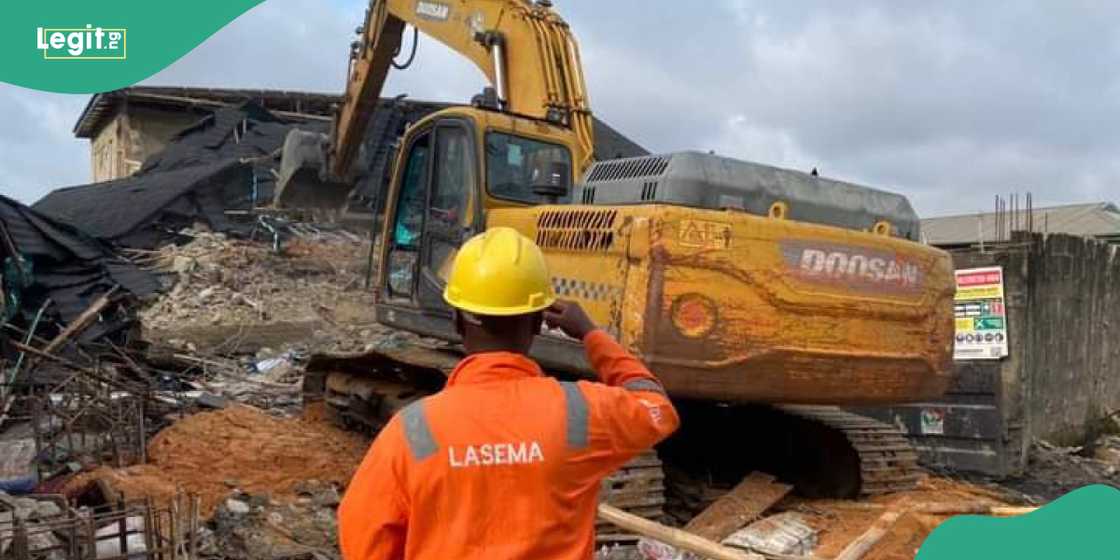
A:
[(410, 426)]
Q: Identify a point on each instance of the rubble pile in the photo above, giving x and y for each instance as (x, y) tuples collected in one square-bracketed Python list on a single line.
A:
[(1053, 471), (254, 527), (236, 296)]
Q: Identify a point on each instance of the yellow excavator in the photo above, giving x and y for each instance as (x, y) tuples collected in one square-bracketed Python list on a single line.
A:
[(763, 298)]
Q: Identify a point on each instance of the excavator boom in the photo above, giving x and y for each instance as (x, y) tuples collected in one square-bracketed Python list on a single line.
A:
[(524, 49)]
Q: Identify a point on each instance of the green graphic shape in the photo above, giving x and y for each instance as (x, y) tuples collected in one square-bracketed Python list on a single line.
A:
[(989, 323), (95, 46), (1081, 524)]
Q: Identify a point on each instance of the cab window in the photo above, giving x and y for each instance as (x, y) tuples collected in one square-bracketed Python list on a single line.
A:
[(409, 219), (452, 210), (514, 164), (454, 178)]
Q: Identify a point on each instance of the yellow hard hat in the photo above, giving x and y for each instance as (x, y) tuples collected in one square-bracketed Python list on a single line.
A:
[(499, 272)]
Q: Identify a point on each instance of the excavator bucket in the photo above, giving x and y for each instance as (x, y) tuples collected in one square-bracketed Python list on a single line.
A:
[(303, 182)]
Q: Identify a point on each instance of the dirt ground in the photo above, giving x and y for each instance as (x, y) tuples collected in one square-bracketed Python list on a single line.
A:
[(215, 453), (841, 522)]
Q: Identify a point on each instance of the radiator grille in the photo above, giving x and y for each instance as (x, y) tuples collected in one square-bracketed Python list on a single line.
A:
[(613, 170), (576, 230), (588, 195)]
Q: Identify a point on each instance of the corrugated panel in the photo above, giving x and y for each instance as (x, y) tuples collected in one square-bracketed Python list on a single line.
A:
[(69, 267), (112, 209)]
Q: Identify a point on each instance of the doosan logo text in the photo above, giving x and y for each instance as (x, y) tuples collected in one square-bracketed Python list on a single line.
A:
[(852, 265), (88, 43)]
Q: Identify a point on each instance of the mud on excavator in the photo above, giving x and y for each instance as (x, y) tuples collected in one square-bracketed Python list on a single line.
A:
[(763, 298)]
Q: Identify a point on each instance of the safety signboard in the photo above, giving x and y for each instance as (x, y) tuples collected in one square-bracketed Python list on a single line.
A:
[(981, 317)]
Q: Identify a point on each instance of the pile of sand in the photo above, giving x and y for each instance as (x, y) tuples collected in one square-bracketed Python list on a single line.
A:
[(213, 453)]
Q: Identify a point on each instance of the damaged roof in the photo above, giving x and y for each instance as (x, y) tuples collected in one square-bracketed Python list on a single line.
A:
[(244, 132), (222, 162), (113, 210), (68, 267), (289, 105)]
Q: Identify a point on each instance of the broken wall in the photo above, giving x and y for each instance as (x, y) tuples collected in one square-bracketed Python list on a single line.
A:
[(1062, 372), (150, 130), (131, 136), (1071, 361), (107, 151)]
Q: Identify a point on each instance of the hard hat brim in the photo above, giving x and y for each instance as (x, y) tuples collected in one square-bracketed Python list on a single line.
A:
[(499, 311)]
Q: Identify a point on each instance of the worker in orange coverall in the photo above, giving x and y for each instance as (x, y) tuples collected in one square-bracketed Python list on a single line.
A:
[(504, 463)]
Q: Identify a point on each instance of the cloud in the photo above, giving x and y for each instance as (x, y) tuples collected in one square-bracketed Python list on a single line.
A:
[(37, 149), (947, 102)]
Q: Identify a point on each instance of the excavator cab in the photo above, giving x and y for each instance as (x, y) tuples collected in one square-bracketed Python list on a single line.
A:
[(452, 167)]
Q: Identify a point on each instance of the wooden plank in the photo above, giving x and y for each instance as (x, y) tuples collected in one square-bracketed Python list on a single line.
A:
[(751, 498), (674, 537), (859, 547), (81, 322)]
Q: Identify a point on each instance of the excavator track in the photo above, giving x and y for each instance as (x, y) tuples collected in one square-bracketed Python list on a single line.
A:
[(886, 461)]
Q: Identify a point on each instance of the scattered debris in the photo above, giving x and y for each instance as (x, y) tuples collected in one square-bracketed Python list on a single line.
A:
[(784, 534), (1053, 471), (666, 541), (47, 527), (751, 498)]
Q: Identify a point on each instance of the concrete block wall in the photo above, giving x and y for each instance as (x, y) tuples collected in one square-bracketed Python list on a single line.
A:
[(1062, 374)]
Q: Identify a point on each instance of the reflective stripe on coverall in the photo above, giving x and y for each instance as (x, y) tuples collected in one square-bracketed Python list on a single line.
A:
[(504, 463)]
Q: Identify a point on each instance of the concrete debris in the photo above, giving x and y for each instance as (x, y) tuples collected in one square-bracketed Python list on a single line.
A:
[(275, 530), (47, 527), (42, 544), (318, 493), (15, 458), (649, 549), (783, 533), (109, 541), (237, 507), (212, 401), (1053, 471), (246, 287), (618, 552), (39, 509), (1107, 450)]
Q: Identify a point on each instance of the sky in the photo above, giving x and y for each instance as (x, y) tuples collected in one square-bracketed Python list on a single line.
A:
[(948, 103)]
